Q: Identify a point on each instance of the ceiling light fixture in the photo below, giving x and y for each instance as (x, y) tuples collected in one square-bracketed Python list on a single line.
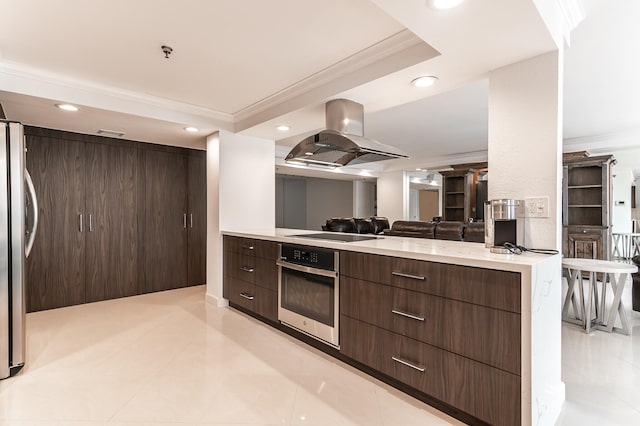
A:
[(443, 4), (67, 107), (283, 128), (425, 81), (191, 129)]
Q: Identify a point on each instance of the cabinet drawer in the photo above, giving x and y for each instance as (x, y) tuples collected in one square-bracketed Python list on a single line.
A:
[(252, 247), (240, 266), (485, 392), (252, 297), (485, 334), (496, 289)]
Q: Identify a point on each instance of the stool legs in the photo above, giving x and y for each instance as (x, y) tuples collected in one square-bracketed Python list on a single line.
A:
[(617, 285), (571, 276)]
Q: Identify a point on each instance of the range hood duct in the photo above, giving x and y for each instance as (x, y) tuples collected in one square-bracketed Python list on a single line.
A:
[(343, 142)]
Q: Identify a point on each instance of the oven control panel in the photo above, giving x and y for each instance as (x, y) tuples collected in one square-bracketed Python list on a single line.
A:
[(314, 257)]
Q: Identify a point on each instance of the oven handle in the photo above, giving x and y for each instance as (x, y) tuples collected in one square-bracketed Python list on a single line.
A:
[(307, 269)]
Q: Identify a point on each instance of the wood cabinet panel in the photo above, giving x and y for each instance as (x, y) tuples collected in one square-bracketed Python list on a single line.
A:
[(240, 266), (254, 298), (485, 334), (249, 246), (496, 289), (482, 391), (56, 266), (112, 227), (162, 221), (266, 273), (266, 249), (197, 228)]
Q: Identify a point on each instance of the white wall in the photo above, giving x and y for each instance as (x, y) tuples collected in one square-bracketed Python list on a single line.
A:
[(240, 195), (364, 198), (393, 196), (621, 181), (525, 140)]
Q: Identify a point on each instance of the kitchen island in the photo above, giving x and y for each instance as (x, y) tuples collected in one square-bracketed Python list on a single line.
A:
[(477, 335)]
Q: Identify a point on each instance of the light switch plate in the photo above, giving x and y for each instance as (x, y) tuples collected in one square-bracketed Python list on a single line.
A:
[(536, 207)]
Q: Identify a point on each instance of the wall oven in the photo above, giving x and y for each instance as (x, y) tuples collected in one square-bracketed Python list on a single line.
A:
[(308, 291)]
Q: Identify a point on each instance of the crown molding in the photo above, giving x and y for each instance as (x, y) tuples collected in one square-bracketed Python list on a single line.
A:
[(26, 80), (604, 142), (389, 55)]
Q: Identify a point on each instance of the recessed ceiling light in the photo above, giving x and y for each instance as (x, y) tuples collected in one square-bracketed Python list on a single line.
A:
[(443, 4), (308, 153), (424, 81), (191, 129), (283, 128), (67, 107)]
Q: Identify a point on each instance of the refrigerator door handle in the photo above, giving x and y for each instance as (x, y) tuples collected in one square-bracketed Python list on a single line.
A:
[(34, 211)]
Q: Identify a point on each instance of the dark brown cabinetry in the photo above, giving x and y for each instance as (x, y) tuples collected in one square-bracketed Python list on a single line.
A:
[(163, 221), (115, 218), (586, 216), (110, 222), (56, 266), (251, 275), (449, 331), (197, 211)]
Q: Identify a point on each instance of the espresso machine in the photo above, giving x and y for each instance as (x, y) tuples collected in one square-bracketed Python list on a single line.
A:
[(503, 223)]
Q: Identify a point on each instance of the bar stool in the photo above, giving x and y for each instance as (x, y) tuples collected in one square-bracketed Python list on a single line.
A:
[(613, 273)]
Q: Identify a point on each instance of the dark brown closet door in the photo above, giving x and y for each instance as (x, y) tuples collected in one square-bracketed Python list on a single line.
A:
[(55, 268), (163, 221), (197, 229), (112, 227)]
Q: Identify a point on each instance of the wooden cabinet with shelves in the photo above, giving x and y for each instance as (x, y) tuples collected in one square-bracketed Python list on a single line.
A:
[(454, 196), (460, 196), (250, 275), (586, 213)]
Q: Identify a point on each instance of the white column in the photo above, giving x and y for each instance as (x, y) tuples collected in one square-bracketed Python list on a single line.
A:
[(393, 196), (525, 160), (240, 195), (525, 140)]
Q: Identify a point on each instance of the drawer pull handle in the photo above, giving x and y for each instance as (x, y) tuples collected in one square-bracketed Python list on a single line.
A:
[(248, 247), (244, 268), (246, 296), (406, 314), (408, 364), (413, 277)]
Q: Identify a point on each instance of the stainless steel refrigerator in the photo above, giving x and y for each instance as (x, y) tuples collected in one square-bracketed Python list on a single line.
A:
[(18, 224)]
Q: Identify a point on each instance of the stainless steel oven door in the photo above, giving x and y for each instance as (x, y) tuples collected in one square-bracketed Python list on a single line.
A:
[(309, 300)]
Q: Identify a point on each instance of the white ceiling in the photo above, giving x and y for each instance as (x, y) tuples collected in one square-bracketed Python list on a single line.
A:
[(249, 65)]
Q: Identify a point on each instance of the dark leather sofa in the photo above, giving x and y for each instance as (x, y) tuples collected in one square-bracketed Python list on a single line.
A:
[(635, 289), (444, 230), (370, 225)]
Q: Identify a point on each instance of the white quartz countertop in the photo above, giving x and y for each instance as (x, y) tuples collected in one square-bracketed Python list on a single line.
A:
[(453, 252)]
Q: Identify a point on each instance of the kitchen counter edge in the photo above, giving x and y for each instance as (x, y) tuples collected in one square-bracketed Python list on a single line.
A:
[(451, 252)]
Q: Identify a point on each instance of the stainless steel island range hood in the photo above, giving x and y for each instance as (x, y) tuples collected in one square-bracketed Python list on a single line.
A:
[(342, 143)]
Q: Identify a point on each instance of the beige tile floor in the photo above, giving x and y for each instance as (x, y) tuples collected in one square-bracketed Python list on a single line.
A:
[(169, 358)]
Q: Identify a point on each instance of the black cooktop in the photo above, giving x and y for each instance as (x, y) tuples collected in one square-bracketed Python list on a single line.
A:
[(337, 236)]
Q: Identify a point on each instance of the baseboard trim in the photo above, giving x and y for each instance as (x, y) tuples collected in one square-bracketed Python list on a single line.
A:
[(219, 302)]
